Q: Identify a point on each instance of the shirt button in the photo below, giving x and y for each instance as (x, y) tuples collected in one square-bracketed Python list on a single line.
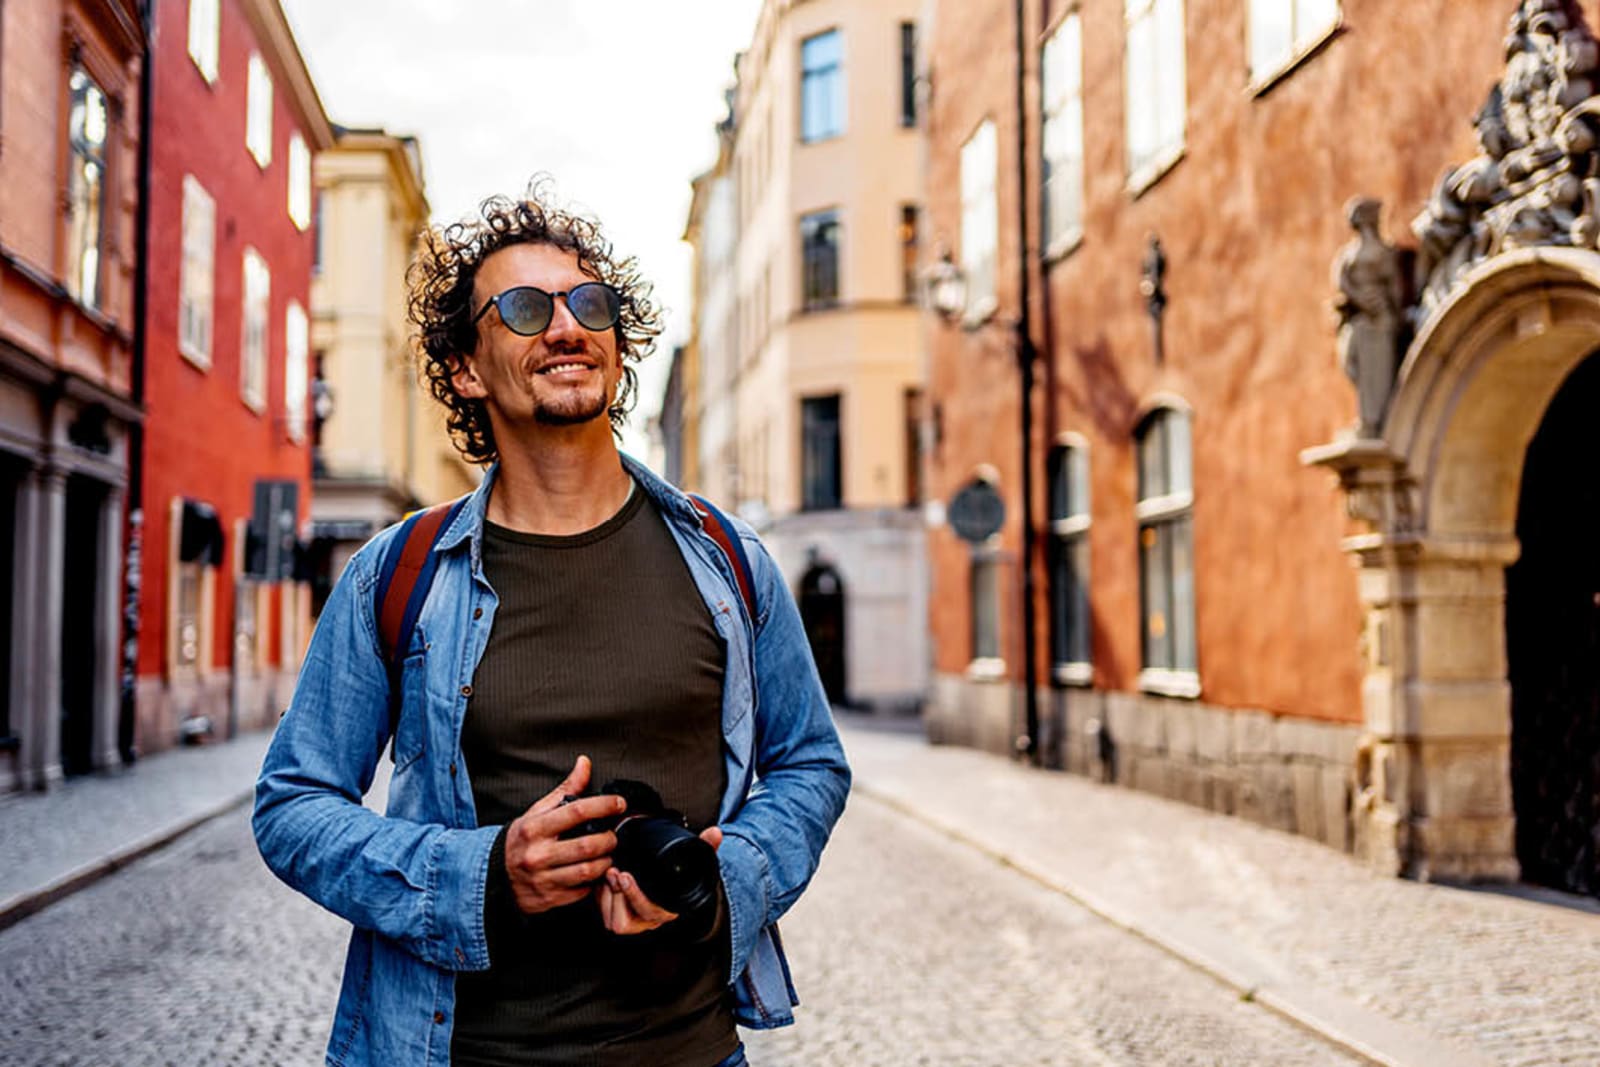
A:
[(438, 1016), (477, 613), (466, 690), (461, 957), (452, 770)]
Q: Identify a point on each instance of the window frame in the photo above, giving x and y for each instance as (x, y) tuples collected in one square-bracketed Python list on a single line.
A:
[(296, 370), (813, 224), (1164, 515), (86, 220), (205, 34), (1145, 165), (1070, 521), (908, 75), (831, 78), (980, 220), (197, 280), (1302, 44), (811, 479), (1061, 108), (910, 234), (204, 577), (255, 341), (986, 663), (258, 111), (299, 182)]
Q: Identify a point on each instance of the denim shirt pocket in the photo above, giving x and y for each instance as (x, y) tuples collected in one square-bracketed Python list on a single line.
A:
[(411, 732)]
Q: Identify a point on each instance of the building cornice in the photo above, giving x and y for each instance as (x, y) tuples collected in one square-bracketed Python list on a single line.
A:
[(119, 21), (277, 42)]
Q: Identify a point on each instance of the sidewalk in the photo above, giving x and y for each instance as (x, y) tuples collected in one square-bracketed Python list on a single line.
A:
[(1400, 972), (57, 842)]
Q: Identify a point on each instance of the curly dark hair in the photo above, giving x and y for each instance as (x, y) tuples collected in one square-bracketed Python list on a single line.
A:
[(439, 301)]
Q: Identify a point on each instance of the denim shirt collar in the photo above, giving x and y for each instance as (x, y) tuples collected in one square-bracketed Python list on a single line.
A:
[(468, 525)]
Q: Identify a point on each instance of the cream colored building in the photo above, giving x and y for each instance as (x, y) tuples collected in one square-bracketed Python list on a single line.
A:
[(381, 449), (817, 401)]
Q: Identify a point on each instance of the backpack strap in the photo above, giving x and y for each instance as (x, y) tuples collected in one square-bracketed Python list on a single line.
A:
[(409, 563), (716, 524)]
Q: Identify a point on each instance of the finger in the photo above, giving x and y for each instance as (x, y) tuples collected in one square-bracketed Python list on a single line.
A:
[(531, 903), (613, 909), (574, 784), (557, 821), (641, 905), (574, 875), (576, 850), (712, 835)]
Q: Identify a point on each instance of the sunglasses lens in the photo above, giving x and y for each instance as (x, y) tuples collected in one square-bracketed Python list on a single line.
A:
[(595, 305), (525, 310)]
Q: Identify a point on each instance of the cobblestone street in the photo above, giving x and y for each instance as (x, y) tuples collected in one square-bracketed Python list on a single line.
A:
[(909, 949)]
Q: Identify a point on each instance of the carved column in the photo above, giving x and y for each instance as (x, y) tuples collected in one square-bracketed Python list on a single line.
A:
[(108, 632), (36, 649)]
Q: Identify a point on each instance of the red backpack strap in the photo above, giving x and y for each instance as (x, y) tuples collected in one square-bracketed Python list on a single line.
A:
[(716, 524), (407, 572)]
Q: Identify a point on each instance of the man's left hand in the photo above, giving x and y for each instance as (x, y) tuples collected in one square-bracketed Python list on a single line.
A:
[(623, 906)]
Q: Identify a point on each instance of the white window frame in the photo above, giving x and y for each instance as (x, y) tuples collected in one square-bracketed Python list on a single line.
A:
[(299, 201), (1301, 27), (197, 275), (835, 122), (986, 558), (88, 187), (258, 111), (205, 32), (296, 369), (1168, 508), (1061, 135), (1070, 532), (980, 220), (1155, 75), (254, 344)]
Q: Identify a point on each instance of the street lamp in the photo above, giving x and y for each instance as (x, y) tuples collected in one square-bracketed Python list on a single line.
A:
[(947, 294)]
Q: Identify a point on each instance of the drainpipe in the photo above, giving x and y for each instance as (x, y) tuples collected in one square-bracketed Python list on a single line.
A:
[(133, 560), (1028, 742)]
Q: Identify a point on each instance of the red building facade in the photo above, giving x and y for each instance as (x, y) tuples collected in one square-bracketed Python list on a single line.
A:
[(1218, 621), (235, 121)]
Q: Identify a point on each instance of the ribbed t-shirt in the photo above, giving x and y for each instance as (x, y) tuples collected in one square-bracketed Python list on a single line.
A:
[(602, 646)]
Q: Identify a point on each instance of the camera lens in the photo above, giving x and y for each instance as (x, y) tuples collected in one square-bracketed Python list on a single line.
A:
[(674, 868)]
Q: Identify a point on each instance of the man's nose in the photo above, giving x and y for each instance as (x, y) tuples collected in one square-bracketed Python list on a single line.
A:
[(562, 324)]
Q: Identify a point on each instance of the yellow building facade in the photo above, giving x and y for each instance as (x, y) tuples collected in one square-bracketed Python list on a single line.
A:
[(807, 407), (381, 446)]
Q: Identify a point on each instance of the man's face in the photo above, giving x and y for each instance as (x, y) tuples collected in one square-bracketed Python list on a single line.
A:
[(566, 375)]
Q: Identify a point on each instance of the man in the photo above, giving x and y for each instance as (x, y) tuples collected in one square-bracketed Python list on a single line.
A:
[(581, 626)]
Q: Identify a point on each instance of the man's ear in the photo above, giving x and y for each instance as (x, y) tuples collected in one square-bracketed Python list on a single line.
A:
[(465, 380)]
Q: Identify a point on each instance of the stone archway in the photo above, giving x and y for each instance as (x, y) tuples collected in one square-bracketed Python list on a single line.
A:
[(1440, 490)]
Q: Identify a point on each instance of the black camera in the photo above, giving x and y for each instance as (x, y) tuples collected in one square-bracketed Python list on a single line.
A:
[(674, 868)]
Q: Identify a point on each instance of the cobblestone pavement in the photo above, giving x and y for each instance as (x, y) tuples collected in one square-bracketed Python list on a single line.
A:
[(909, 949), (1504, 979)]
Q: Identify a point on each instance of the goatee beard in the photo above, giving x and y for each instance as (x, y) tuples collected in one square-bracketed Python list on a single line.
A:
[(581, 411)]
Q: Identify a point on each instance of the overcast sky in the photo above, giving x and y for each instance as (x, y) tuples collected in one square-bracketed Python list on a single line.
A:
[(616, 99)]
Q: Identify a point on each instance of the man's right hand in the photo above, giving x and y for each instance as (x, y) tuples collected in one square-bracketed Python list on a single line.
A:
[(547, 872)]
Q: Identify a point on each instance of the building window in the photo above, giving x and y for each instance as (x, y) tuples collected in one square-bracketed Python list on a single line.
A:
[(985, 591), (821, 475), (296, 369), (258, 112), (1156, 87), (1069, 564), (204, 31), (908, 74), (1063, 135), (910, 252), (299, 181), (253, 350), (86, 187), (195, 551), (822, 86), (1166, 552), (913, 421), (819, 249), (195, 284), (319, 253), (1282, 31), (980, 219)]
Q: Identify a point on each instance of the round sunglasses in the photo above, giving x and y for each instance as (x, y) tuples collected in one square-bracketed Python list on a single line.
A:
[(527, 309)]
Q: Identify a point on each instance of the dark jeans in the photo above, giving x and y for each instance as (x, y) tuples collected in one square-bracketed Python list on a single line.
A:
[(736, 1060)]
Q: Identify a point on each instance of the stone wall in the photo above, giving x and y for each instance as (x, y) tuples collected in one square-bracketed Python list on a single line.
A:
[(1291, 774)]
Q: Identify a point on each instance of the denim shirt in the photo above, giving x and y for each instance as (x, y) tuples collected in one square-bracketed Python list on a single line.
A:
[(412, 881)]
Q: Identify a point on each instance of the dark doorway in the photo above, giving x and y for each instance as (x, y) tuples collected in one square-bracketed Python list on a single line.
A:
[(10, 481), (1553, 644), (822, 612), (80, 601)]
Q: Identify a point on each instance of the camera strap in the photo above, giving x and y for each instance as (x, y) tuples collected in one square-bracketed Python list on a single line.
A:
[(410, 561)]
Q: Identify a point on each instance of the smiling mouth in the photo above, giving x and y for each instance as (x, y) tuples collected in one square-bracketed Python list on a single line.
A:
[(564, 368)]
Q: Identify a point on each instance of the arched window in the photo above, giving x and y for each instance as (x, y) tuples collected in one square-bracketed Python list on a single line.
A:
[(1166, 554), (1069, 563)]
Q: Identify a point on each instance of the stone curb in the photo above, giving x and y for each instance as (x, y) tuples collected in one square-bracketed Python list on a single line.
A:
[(1324, 1013), (19, 906)]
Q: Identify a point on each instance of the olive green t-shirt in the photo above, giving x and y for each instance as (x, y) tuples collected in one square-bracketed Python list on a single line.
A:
[(602, 646)]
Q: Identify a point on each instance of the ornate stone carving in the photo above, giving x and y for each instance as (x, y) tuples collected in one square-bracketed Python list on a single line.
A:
[(1536, 178), (1371, 311)]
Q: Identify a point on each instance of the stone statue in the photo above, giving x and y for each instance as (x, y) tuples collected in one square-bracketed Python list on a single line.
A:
[(1371, 309)]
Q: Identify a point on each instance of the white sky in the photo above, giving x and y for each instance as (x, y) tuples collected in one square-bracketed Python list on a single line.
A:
[(616, 99)]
